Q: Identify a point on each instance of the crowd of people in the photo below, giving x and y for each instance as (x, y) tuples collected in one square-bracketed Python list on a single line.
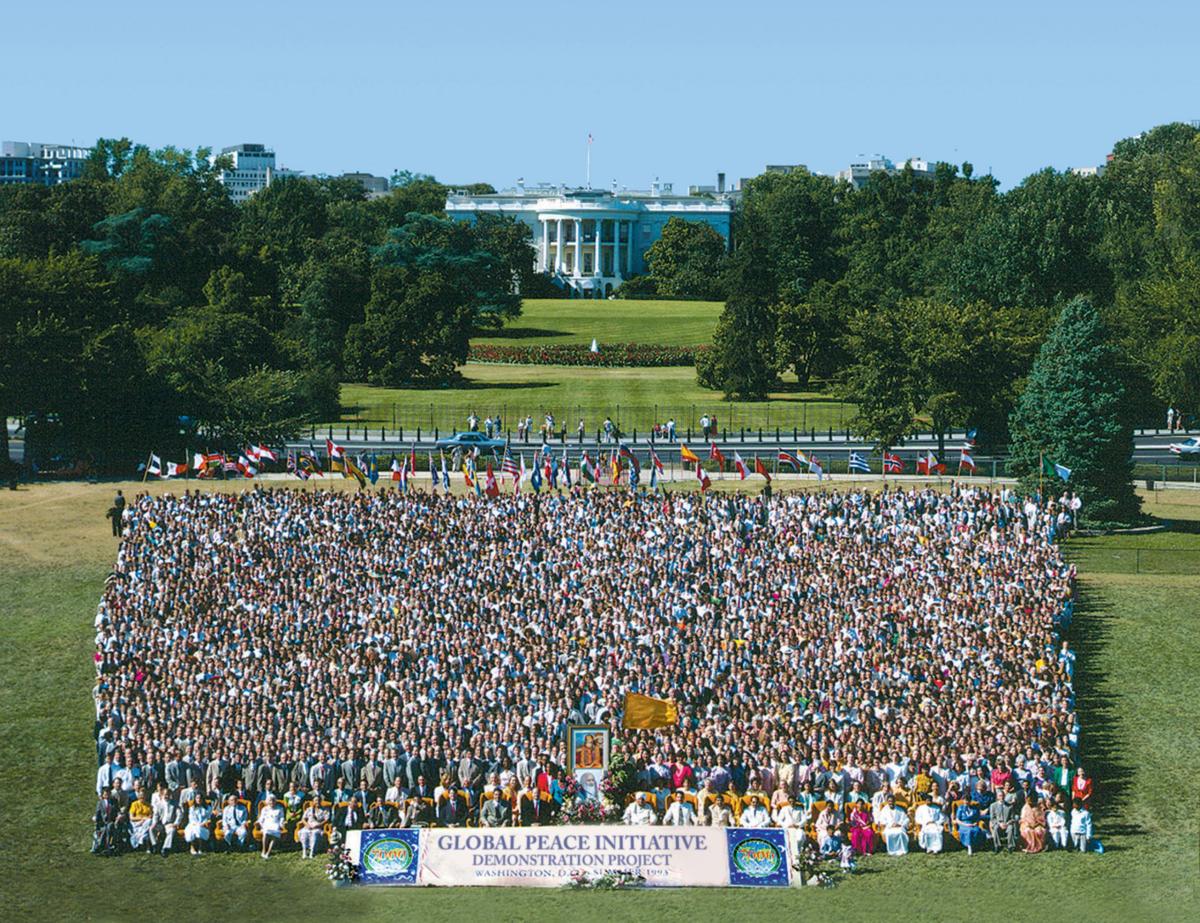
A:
[(281, 666)]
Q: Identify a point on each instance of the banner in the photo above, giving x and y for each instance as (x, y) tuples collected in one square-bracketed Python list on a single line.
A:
[(388, 857), (758, 857), (548, 857)]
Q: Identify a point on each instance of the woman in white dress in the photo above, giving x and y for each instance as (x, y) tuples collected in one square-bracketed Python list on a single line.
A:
[(931, 824), (270, 823), (312, 826), (894, 827), (196, 833), (1056, 826)]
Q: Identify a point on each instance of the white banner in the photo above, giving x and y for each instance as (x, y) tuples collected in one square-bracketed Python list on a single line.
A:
[(547, 857)]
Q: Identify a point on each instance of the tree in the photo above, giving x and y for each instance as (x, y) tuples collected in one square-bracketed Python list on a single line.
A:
[(686, 261), (808, 334), (881, 379), (1073, 412), (741, 361)]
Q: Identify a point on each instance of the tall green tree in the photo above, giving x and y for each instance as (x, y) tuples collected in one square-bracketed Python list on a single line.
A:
[(687, 260), (1073, 412)]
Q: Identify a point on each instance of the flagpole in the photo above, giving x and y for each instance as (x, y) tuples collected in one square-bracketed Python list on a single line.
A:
[(589, 162), (1041, 473), (146, 470)]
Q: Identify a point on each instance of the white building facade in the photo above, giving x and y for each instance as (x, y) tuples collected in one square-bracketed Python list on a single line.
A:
[(591, 240), (253, 168), (36, 162)]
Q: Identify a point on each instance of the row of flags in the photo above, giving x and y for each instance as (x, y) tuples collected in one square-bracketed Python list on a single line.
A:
[(547, 470)]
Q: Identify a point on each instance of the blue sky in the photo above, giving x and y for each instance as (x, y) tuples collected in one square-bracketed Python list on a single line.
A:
[(491, 91)]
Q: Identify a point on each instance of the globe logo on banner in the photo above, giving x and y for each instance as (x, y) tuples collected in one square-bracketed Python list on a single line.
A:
[(389, 856), (757, 858)]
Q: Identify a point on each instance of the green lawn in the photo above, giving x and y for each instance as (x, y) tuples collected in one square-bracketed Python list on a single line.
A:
[(634, 397), (576, 320), (1138, 681)]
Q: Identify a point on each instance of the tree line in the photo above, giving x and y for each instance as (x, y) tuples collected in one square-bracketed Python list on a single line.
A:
[(139, 306), (927, 298)]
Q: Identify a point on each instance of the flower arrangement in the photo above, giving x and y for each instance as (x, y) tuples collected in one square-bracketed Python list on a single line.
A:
[(340, 867), (604, 881), (809, 865), (577, 810), (611, 355)]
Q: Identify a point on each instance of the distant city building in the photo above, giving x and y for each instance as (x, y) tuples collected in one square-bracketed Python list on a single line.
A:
[(590, 240), (41, 163), (373, 186), (859, 172), (253, 168)]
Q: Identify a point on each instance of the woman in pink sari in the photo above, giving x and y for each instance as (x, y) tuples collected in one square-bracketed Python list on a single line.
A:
[(862, 831), (1033, 825)]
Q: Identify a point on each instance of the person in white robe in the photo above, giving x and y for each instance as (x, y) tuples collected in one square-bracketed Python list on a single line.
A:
[(790, 816), (196, 833), (719, 813), (893, 824), (931, 824), (270, 824), (312, 828), (755, 815), (639, 812)]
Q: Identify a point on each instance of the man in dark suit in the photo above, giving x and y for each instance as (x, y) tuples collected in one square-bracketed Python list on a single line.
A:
[(380, 815), (452, 810), (351, 768), (371, 777), (391, 768), (495, 811), (106, 818), (349, 816), (250, 776), (470, 773), (173, 773), (534, 809), (413, 769)]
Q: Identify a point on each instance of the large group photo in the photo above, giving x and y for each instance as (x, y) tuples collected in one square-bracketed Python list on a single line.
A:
[(665, 461)]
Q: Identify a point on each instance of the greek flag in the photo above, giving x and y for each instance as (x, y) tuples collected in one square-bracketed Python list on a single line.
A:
[(858, 463)]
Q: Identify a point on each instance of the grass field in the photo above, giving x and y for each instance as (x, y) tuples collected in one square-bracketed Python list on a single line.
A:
[(1138, 683), (576, 320), (634, 397)]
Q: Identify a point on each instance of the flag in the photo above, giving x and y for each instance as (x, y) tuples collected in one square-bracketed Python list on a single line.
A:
[(587, 470), (614, 463), (508, 465), (373, 469), (633, 460), (892, 464), (445, 475), (858, 463), (566, 468), (760, 468), (702, 477), (797, 461), (714, 454), (656, 461), (246, 467), (635, 475), (971, 438), (155, 466), (653, 478), (1052, 470), (412, 458), (814, 467), (334, 450), (493, 489), (535, 477), (307, 462), (740, 466), (928, 464), (687, 455), (521, 475), (172, 470), (261, 452), (643, 711), (351, 469), (468, 472), (965, 460)]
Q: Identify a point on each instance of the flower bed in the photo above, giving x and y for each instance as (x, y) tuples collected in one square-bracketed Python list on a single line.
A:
[(611, 355)]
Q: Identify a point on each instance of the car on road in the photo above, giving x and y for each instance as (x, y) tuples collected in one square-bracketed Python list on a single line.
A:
[(470, 440), (1187, 447)]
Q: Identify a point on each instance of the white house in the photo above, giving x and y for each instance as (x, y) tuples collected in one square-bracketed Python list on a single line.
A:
[(590, 240)]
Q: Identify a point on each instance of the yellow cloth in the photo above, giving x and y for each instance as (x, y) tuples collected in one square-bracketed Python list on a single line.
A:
[(642, 711), (688, 455), (140, 810)]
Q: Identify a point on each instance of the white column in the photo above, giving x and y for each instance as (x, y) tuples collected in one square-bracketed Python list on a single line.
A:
[(629, 249), (558, 246), (617, 248), (596, 260), (545, 264), (578, 247)]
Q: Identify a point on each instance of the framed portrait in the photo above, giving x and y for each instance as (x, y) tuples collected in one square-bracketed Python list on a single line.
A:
[(588, 748)]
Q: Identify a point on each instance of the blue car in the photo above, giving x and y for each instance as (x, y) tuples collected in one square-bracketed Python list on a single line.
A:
[(470, 440)]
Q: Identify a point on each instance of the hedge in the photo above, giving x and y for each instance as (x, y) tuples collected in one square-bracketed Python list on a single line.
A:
[(611, 355)]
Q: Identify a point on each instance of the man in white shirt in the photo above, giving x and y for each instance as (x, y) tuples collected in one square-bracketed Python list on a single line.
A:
[(639, 813), (680, 813), (931, 824), (790, 815), (755, 815)]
